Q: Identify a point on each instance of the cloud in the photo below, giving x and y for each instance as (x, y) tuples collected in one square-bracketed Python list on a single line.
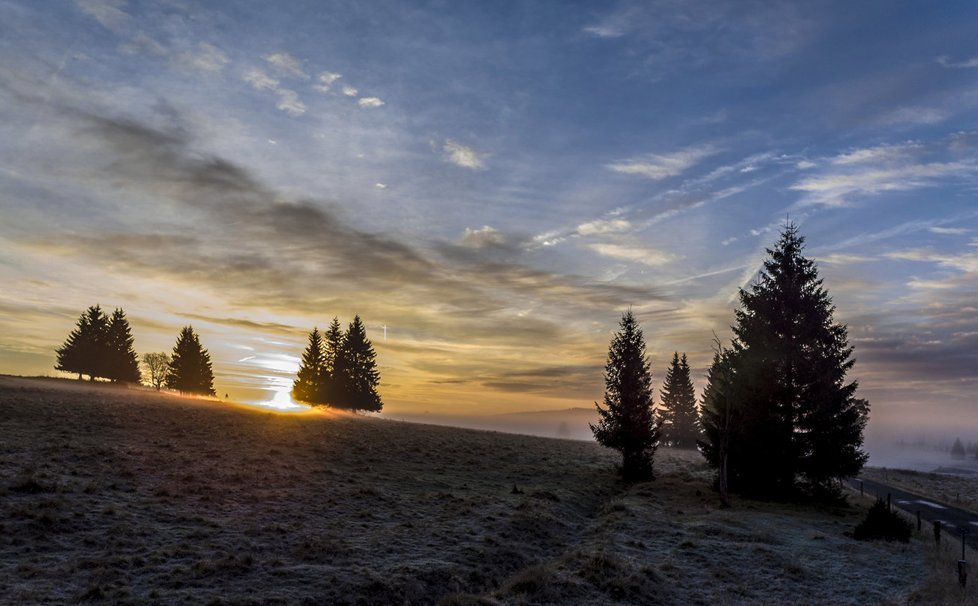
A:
[(604, 31), (964, 262), (949, 231), (380, 185), (839, 188), (603, 227), (805, 164), (370, 102), (326, 80), (843, 259), (142, 43), (913, 115), (108, 13), (661, 166), (349, 91), (461, 155), (288, 102), (945, 61), (635, 254), (259, 80), (209, 58), (484, 237), (286, 64), (879, 153)]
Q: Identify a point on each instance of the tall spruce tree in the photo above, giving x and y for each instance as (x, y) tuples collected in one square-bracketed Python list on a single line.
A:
[(679, 417), (332, 383), (123, 364), (309, 383), (190, 365), (718, 417), (627, 422), (85, 350), (798, 420), (355, 374)]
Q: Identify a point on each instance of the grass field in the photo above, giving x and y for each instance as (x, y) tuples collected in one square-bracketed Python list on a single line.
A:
[(110, 495)]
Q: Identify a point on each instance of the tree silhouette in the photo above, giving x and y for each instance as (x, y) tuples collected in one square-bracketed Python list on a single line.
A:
[(679, 417), (957, 451), (627, 423), (797, 417), (718, 417), (309, 383), (100, 347), (123, 364), (190, 366), (158, 364), (332, 383), (355, 375)]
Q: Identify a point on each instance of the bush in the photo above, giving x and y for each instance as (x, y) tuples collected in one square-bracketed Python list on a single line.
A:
[(881, 523)]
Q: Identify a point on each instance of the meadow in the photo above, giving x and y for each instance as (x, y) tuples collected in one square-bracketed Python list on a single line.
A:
[(115, 495)]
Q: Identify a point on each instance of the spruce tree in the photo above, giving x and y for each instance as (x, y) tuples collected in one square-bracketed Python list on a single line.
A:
[(355, 374), (331, 381), (798, 420), (123, 364), (718, 417), (85, 350), (190, 365), (679, 416), (627, 422), (309, 381)]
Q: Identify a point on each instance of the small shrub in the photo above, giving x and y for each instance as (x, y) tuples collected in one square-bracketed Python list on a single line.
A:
[(881, 523)]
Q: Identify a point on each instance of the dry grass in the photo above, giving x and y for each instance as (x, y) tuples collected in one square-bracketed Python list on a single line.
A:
[(955, 490), (113, 496)]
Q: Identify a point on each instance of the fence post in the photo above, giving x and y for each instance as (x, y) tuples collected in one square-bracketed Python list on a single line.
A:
[(860, 488), (888, 508), (918, 520), (963, 563), (937, 532)]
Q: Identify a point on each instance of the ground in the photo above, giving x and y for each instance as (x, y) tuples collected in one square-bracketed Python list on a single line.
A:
[(113, 495)]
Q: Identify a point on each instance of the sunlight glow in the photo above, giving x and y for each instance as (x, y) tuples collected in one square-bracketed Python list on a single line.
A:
[(280, 389)]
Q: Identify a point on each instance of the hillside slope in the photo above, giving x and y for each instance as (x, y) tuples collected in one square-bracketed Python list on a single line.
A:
[(112, 495)]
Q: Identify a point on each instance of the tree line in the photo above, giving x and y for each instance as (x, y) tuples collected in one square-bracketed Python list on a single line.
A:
[(778, 416), (102, 348), (338, 369)]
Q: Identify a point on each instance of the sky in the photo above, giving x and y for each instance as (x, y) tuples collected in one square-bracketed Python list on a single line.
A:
[(489, 185)]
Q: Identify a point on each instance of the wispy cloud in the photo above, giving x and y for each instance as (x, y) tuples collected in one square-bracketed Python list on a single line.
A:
[(603, 226), (661, 166), (635, 254), (286, 64), (484, 237), (464, 156), (208, 58), (289, 102), (864, 177), (350, 91), (370, 102), (913, 115), (964, 262), (108, 13), (949, 231), (878, 153), (605, 31), (326, 80), (259, 80), (945, 61)]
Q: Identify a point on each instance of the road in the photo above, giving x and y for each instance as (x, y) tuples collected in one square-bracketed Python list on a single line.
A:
[(952, 519)]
